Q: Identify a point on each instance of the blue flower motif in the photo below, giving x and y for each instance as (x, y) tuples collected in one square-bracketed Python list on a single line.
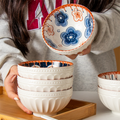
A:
[(89, 25), (70, 37), (61, 18), (50, 43)]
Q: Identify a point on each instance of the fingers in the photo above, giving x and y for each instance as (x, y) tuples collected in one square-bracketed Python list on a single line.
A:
[(72, 56), (11, 89), (85, 51), (10, 83), (23, 107)]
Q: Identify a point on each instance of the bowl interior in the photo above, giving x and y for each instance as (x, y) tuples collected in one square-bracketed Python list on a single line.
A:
[(110, 75), (68, 27), (45, 64)]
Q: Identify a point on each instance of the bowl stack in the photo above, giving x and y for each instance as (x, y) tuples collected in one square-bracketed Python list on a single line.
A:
[(109, 90), (45, 86)]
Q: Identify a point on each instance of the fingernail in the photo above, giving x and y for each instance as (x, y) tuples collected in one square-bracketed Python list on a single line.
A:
[(29, 112), (15, 98), (13, 78)]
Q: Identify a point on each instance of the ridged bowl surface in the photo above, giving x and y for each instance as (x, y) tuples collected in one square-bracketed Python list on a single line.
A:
[(111, 99), (45, 103), (44, 85), (46, 69)]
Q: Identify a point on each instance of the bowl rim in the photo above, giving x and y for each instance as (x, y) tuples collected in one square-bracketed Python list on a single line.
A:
[(34, 94), (107, 92), (108, 73), (20, 79), (63, 7), (34, 61)]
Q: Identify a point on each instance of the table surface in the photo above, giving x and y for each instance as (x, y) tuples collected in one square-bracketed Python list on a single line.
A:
[(102, 113)]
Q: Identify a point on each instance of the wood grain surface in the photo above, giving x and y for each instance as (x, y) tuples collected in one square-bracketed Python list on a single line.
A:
[(75, 110)]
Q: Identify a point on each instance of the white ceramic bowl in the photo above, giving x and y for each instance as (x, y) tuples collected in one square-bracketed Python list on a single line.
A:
[(45, 103), (69, 29), (46, 69), (111, 99), (44, 85), (109, 81)]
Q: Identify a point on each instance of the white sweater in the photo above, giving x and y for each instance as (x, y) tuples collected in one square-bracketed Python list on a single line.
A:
[(86, 68)]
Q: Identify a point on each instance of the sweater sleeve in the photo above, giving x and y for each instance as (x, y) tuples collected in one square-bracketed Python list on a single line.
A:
[(108, 30), (9, 54)]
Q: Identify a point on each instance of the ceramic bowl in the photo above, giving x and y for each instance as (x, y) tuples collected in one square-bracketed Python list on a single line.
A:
[(111, 99), (45, 103), (69, 29), (46, 69), (109, 81), (44, 85)]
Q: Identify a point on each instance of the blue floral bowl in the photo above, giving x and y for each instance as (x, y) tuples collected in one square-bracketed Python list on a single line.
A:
[(69, 29)]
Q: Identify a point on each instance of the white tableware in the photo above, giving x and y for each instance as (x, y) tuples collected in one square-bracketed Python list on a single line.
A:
[(109, 81), (46, 69), (45, 103), (44, 85), (69, 29), (111, 99)]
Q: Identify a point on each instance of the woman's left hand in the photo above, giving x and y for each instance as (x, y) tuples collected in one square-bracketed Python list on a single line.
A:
[(84, 52)]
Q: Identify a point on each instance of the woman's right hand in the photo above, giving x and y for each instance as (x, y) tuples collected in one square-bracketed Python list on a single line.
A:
[(10, 83)]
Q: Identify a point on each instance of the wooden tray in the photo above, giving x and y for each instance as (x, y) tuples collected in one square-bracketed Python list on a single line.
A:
[(75, 110)]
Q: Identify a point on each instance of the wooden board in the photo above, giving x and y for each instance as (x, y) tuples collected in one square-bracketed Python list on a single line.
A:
[(1, 90), (75, 110)]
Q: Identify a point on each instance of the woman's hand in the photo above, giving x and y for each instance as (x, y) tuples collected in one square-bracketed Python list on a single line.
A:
[(84, 52), (11, 87)]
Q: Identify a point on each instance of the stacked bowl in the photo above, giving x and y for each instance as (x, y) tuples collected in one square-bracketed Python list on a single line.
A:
[(109, 90), (45, 86)]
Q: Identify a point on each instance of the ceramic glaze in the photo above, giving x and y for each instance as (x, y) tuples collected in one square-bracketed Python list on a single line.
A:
[(45, 64), (67, 28), (109, 81), (46, 69), (44, 85), (111, 99), (45, 103)]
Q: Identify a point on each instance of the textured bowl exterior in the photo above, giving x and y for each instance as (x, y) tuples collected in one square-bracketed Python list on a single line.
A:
[(109, 81), (110, 99), (46, 73), (69, 29), (44, 85), (47, 103)]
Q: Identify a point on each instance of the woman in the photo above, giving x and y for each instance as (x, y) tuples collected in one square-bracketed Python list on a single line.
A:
[(21, 40)]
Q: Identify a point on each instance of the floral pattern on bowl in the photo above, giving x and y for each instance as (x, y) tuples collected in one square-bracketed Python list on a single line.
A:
[(70, 37), (109, 81), (61, 18), (115, 75), (51, 43), (46, 69), (69, 29), (49, 29), (45, 64), (88, 25), (77, 15)]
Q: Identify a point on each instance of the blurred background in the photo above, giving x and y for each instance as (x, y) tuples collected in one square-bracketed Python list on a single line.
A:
[(117, 54)]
